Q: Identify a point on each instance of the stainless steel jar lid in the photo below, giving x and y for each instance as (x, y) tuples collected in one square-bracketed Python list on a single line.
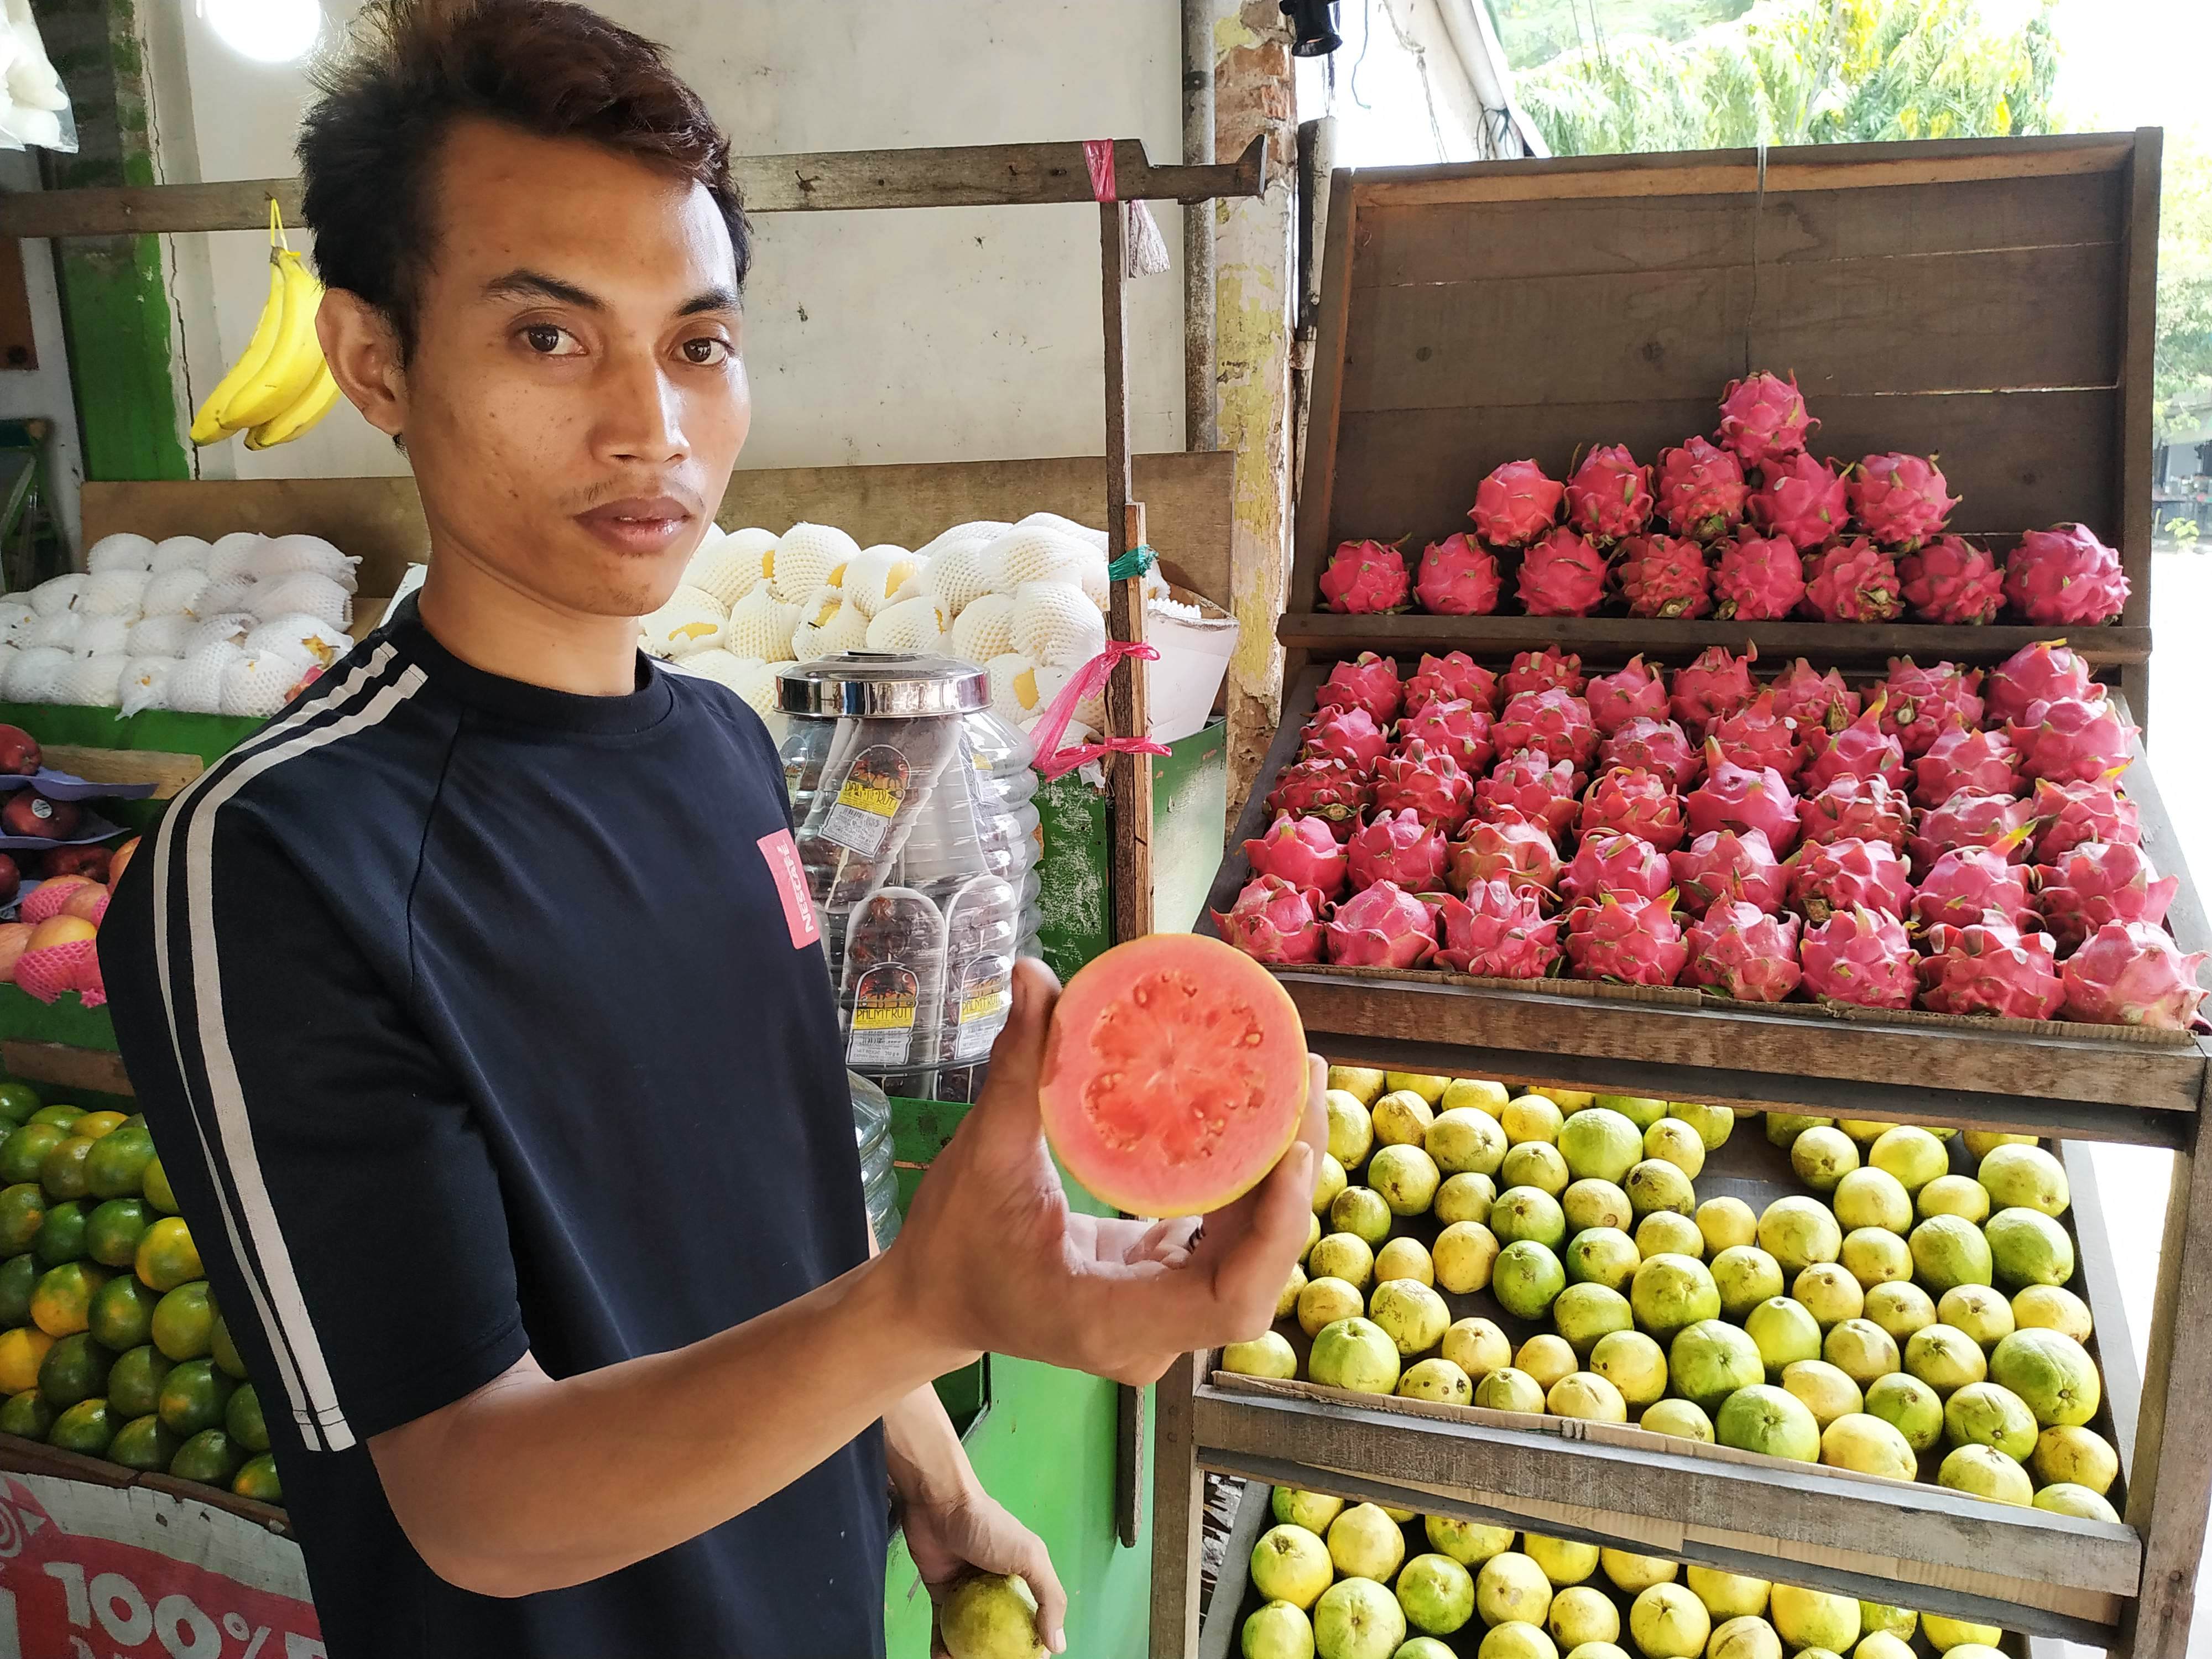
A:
[(889, 683)]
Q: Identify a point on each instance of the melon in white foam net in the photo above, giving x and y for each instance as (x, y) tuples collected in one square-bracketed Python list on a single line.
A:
[(144, 683), (195, 686), (689, 620), (954, 575), (1093, 581), (977, 531), (309, 640), (877, 573), (230, 628), (984, 630), (761, 625), (724, 570), (1032, 554), (914, 624), (57, 593), (1015, 696), (258, 682), (309, 555), (828, 622), (1055, 623), (121, 551), (17, 619), (303, 592), (721, 666), (114, 593), (1069, 528), (757, 684), (225, 594), (159, 637), (181, 553), (173, 593), (808, 557), (234, 554), (8, 655), (91, 682), (35, 676), (58, 630), (102, 636)]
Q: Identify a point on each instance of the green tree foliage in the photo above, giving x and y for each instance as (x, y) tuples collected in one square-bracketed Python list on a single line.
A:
[(2183, 381), (1798, 72)]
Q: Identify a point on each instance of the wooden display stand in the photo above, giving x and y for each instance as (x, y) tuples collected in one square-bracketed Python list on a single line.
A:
[(1988, 301)]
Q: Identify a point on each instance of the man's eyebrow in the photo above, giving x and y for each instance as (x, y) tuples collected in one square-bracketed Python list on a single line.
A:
[(524, 283), (713, 298)]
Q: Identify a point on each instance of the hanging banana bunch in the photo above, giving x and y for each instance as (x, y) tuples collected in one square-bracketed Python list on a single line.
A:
[(280, 385)]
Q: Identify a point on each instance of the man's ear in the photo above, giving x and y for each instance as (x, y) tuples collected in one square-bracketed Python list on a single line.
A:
[(362, 348)]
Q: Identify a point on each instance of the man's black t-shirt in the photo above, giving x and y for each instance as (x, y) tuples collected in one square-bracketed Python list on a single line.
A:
[(470, 1018)]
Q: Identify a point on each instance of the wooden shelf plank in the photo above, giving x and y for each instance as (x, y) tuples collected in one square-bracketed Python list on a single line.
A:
[(67, 1067)]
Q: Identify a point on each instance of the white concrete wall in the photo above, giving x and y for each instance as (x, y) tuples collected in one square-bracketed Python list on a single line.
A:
[(943, 334)]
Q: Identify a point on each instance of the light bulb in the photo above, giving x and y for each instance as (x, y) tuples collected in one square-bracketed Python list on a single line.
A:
[(266, 31)]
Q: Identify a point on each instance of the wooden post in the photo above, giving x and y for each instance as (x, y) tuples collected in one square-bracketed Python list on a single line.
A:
[(1178, 1494)]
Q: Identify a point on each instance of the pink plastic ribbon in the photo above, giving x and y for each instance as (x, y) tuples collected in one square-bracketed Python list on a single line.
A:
[(1090, 680), (1098, 156)]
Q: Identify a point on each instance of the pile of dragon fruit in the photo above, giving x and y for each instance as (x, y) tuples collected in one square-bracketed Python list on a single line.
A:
[(1746, 525), (1942, 839)]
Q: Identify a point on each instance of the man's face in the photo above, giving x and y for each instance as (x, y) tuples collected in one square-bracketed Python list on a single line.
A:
[(575, 399)]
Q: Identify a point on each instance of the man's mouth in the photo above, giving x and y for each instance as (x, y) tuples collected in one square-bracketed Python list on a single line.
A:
[(640, 525)]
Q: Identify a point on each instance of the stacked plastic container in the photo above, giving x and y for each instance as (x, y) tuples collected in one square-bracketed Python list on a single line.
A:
[(919, 837)]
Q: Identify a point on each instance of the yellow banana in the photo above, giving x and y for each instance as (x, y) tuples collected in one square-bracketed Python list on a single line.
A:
[(289, 368), (210, 424), (309, 407)]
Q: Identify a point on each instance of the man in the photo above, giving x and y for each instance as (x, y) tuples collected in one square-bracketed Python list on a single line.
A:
[(498, 1080)]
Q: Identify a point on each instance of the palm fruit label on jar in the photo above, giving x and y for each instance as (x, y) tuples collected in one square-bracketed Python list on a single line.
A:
[(987, 995), (868, 799), (884, 1005)]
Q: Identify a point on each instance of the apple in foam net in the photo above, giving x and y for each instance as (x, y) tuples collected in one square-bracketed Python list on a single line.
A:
[(14, 939)]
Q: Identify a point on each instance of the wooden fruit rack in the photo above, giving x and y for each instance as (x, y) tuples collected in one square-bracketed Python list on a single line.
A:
[(1990, 301)]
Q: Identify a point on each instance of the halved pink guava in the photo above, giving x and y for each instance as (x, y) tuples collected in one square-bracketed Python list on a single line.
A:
[(1175, 1075)]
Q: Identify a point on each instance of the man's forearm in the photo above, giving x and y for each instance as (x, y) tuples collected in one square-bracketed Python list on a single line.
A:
[(927, 1463), (668, 1445)]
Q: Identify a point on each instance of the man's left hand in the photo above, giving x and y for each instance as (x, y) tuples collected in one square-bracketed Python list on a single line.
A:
[(973, 1531)]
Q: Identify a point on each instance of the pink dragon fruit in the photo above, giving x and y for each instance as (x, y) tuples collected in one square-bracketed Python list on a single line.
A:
[(1970, 819), (1969, 880), (1534, 787), (1852, 581), (1629, 940), (1662, 576), (1609, 495), (1655, 745), (1744, 953), (1802, 499), (1868, 808), (1763, 419), (1724, 866), (1701, 490), (1629, 800), (2071, 740), (1714, 684), (1516, 504), (1453, 678), (1302, 851), (1326, 790), (2043, 672), (1458, 729), (1562, 575), (1542, 670), (2131, 973), (1922, 704), (1981, 761), (2097, 883), (1951, 581), (1273, 920), (1363, 578), (1609, 862), (1860, 957), (1634, 693), (1987, 967), (1380, 926), (1349, 735), (1427, 783), (1899, 500), (1817, 701), (1862, 749), (1498, 932), (1398, 847), (1758, 578), (1557, 722), (1756, 736), (2064, 577), (1368, 682), (2067, 814), (1738, 797), (1508, 848), (1841, 875), (1458, 578)]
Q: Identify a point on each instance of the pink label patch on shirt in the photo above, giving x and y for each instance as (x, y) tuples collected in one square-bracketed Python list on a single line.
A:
[(783, 869)]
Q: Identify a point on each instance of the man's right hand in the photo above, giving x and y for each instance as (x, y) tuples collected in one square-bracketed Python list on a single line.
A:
[(993, 1259)]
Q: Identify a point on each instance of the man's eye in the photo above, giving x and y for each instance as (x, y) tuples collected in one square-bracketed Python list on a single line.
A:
[(706, 350), (546, 339)]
